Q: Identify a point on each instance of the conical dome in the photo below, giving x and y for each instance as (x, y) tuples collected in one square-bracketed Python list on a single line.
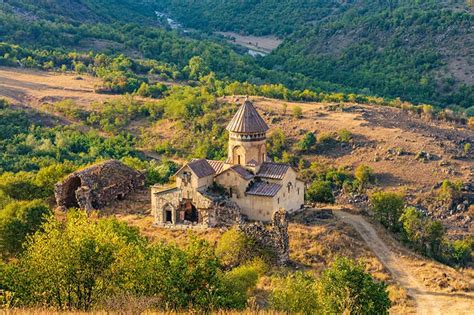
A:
[(247, 120)]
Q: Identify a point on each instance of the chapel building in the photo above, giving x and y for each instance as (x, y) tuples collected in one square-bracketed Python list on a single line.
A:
[(247, 185)]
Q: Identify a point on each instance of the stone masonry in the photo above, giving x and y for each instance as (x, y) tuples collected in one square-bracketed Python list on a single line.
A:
[(96, 186), (274, 237)]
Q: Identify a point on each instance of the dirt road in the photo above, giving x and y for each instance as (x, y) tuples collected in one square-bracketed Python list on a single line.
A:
[(427, 301)]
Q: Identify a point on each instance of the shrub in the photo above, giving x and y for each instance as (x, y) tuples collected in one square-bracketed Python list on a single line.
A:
[(238, 283), (345, 288), (345, 135), (450, 191), (307, 143), (297, 112), (387, 207), (424, 234), (326, 138), (276, 144), (20, 186), (460, 251), (320, 191), (364, 175), (295, 294), (234, 248), (18, 220), (467, 148)]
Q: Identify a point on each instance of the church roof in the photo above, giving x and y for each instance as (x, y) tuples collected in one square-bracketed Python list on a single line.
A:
[(218, 166), (247, 120), (264, 189), (201, 168), (242, 172), (273, 170)]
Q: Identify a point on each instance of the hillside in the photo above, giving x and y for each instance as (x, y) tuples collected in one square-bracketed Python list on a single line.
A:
[(419, 51), (78, 11), (58, 123)]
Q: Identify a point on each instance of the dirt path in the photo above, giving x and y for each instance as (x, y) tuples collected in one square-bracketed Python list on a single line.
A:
[(427, 301)]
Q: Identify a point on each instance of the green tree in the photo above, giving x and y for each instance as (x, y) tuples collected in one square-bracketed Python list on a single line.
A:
[(345, 288), (307, 143), (276, 144), (182, 278), (424, 233), (239, 282), (197, 68), (388, 207), (77, 263), (295, 294), (320, 191), (235, 248), (18, 220)]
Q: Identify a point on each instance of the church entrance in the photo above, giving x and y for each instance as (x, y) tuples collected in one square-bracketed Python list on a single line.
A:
[(190, 212)]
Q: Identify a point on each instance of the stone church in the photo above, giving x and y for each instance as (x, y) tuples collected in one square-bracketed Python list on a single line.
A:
[(247, 185)]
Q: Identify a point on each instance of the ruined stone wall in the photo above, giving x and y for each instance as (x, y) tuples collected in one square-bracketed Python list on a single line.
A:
[(274, 237), (96, 186)]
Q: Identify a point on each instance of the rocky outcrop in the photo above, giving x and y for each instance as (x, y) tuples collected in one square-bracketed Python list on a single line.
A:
[(274, 237), (96, 186)]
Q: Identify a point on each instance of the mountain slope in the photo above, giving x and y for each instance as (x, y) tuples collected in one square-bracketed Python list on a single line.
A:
[(417, 50), (84, 10)]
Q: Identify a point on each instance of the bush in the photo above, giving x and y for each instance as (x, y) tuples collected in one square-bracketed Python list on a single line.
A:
[(234, 248), (345, 288), (450, 191), (345, 135), (364, 175), (295, 294), (238, 283), (326, 138), (423, 233), (307, 143), (320, 191), (18, 220), (460, 252), (387, 207), (297, 112)]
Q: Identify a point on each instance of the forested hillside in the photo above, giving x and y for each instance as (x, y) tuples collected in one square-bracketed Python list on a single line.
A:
[(417, 50), (83, 10)]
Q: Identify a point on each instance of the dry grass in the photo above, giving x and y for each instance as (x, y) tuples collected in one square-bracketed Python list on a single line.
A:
[(33, 87)]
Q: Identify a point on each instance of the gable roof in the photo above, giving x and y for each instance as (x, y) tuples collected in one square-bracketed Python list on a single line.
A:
[(218, 166), (273, 170), (242, 172), (201, 168), (264, 189), (247, 120)]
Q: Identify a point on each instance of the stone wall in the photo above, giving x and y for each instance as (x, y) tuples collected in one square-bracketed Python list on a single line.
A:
[(274, 237), (96, 186)]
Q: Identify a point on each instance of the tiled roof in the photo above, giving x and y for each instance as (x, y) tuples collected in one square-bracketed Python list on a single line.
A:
[(264, 189), (218, 166), (247, 120), (242, 172), (273, 170), (201, 168)]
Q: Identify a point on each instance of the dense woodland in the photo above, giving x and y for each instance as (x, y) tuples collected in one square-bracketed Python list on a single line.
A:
[(392, 48), (170, 77)]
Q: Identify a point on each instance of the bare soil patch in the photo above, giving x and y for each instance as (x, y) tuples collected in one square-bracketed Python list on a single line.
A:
[(33, 87), (263, 44)]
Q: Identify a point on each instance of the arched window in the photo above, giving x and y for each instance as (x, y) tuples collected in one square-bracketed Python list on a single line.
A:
[(238, 159)]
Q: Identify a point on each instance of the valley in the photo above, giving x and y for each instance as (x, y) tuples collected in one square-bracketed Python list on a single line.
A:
[(241, 157)]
